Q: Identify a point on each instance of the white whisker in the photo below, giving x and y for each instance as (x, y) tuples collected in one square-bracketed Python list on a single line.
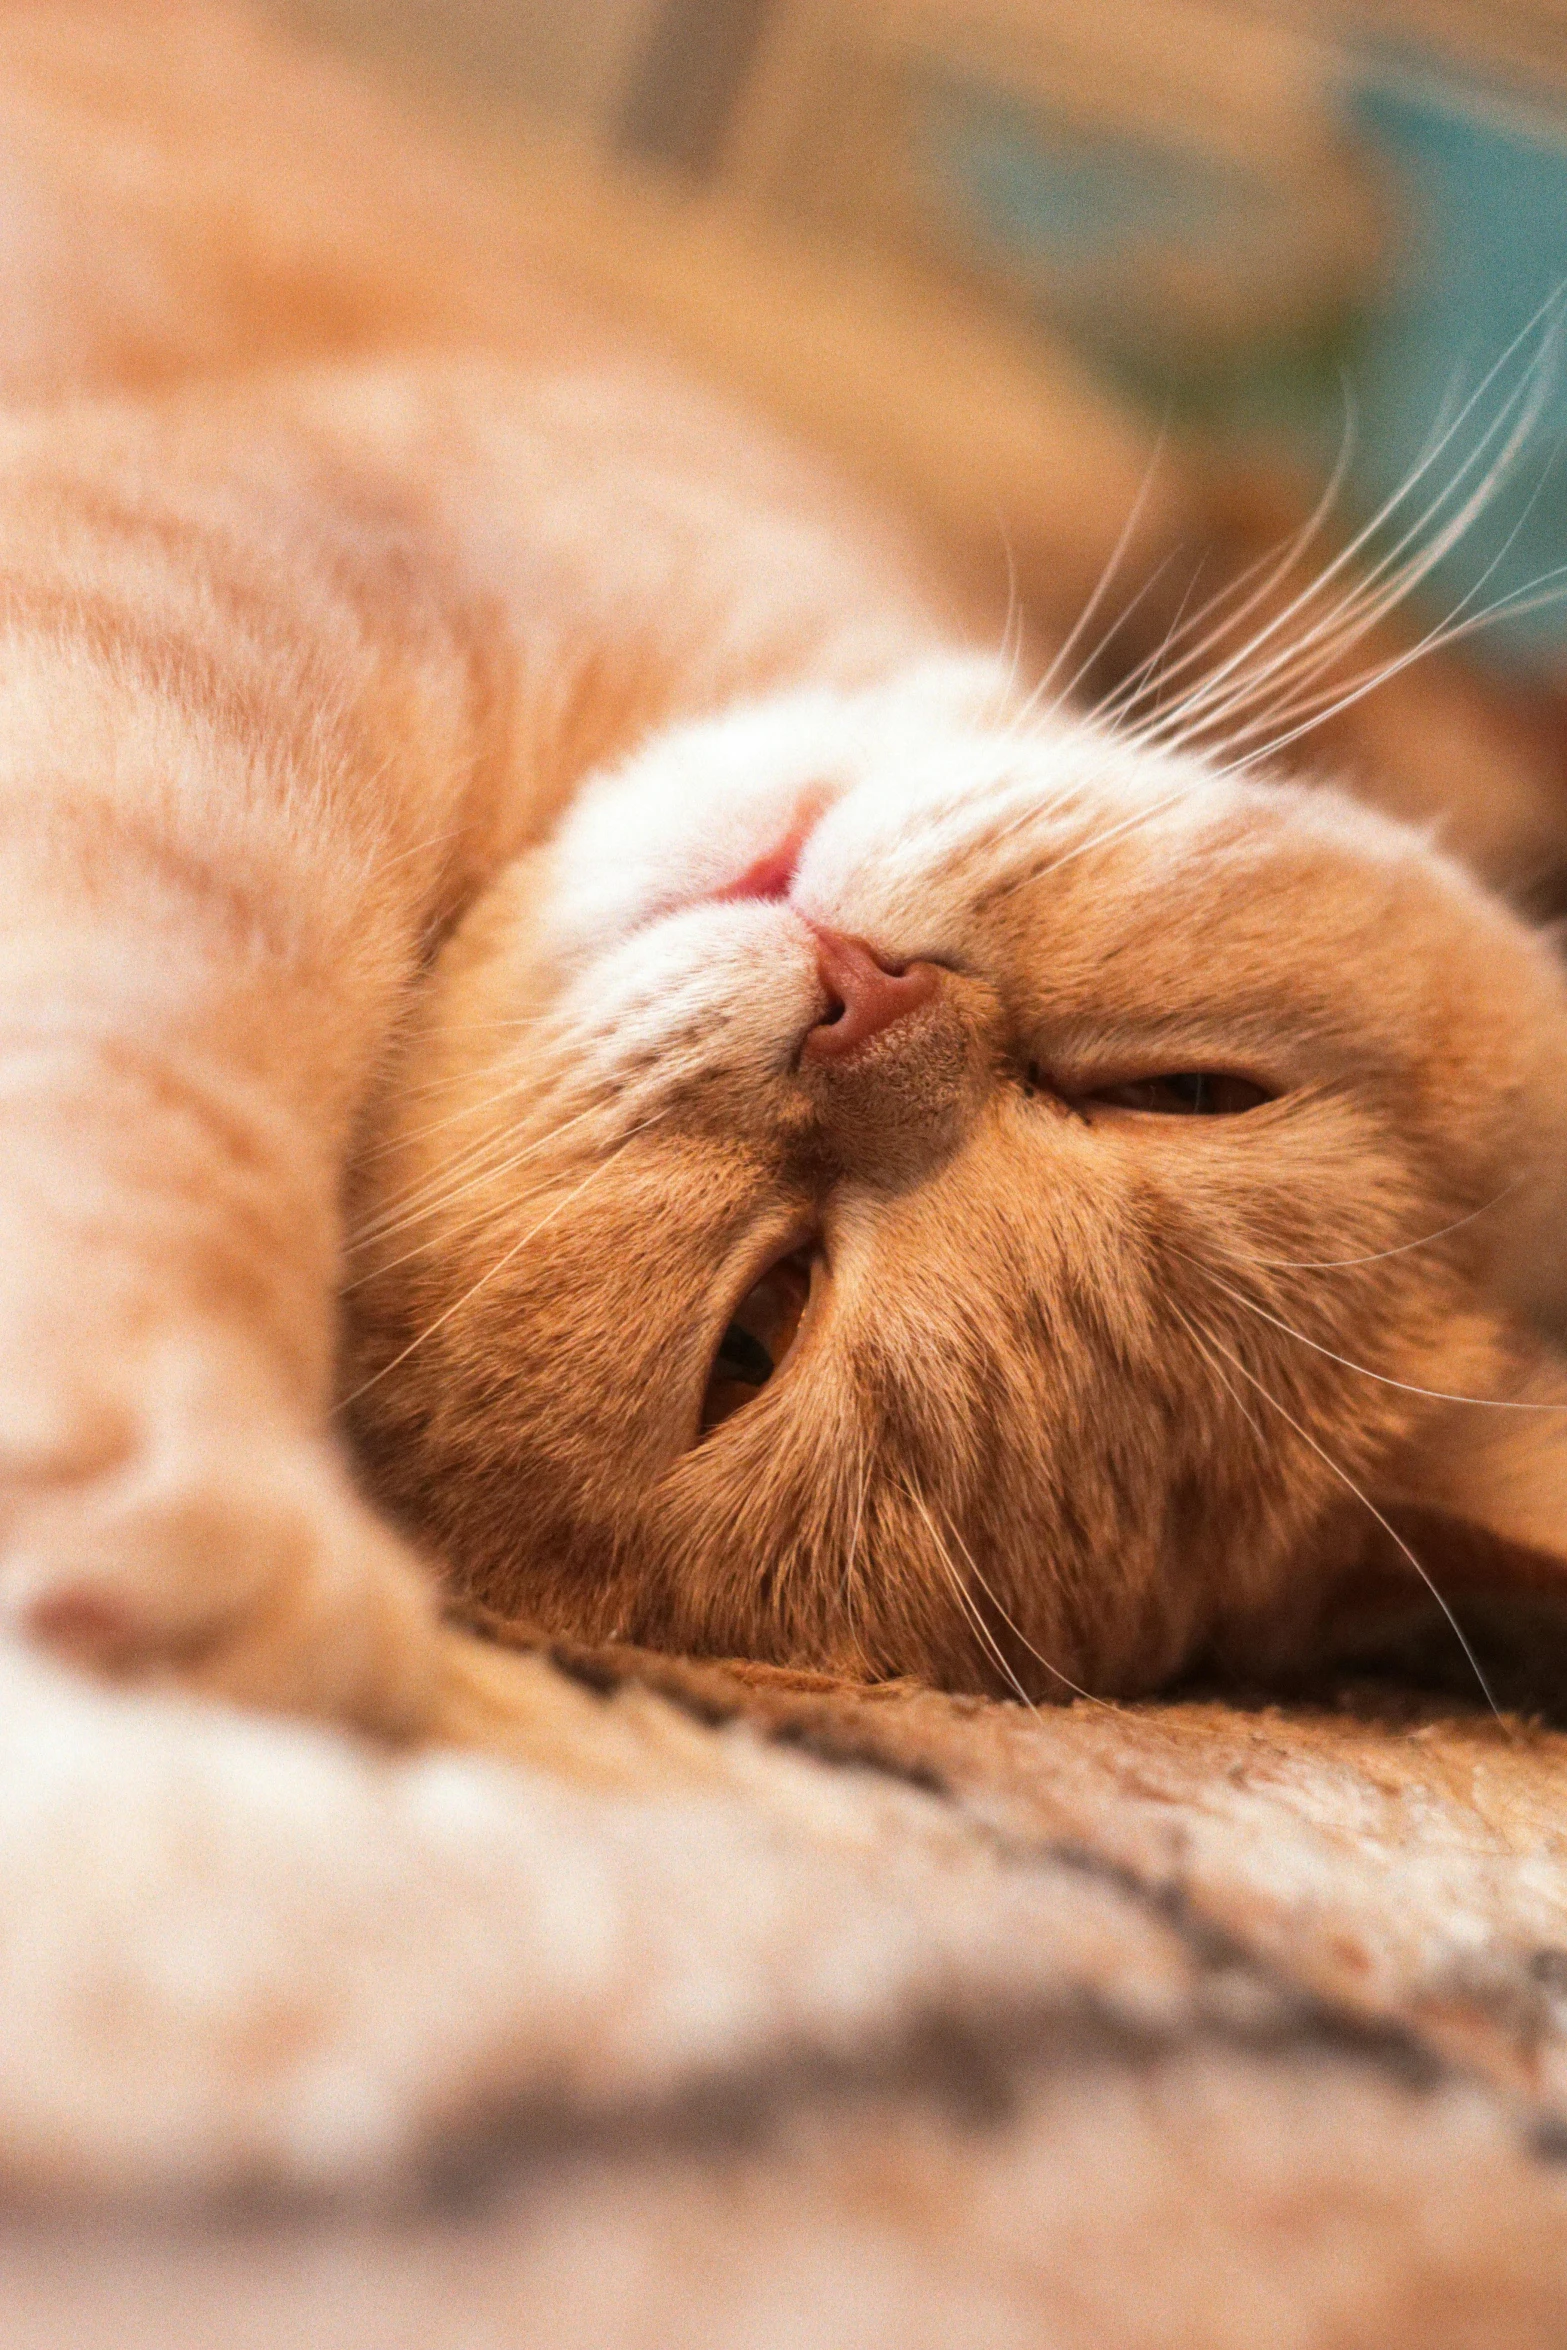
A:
[(1377, 591), (1101, 644), (1364, 1499), (1319, 709), (968, 1603), (1012, 634), (498, 1267), (1378, 1256), (491, 1164), (1494, 1403), (1053, 1670), (1275, 570), (1233, 682), (1438, 637), (1106, 577)]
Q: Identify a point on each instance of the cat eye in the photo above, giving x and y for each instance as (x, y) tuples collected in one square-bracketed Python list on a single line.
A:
[(1191, 1093), (763, 1328), (1187, 1093)]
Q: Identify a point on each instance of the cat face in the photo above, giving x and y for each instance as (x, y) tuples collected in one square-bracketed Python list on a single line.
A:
[(912, 1190)]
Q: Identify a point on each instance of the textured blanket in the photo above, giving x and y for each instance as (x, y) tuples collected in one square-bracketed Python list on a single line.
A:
[(687, 2004)]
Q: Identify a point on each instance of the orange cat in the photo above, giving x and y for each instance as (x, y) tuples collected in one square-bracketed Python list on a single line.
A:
[(841, 1162)]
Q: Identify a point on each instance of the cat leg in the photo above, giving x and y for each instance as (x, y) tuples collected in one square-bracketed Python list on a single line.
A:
[(171, 1496), (176, 1089), (245, 777)]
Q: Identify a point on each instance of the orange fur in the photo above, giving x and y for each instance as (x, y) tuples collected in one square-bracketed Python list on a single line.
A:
[(378, 746)]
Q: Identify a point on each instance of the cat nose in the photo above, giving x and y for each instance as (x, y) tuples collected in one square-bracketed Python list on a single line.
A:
[(864, 994)]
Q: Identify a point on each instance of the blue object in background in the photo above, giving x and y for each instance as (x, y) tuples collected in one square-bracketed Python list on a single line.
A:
[(1482, 189), (1047, 198), (1164, 263), (1107, 233)]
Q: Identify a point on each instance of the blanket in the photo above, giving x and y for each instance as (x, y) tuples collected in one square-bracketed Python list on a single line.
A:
[(654, 2001)]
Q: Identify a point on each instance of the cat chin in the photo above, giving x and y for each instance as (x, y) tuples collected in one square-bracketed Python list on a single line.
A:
[(731, 805)]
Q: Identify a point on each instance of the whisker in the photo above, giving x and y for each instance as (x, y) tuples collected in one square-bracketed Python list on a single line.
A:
[(1438, 637), (1106, 577), (1010, 652), (1444, 632), (406, 1204), (1152, 668), (1495, 1403), (1530, 398), (1364, 1499), (1377, 592), (436, 1199), (1053, 1670), (968, 1603), (1378, 1256), (1520, 601), (430, 1087), (1101, 644), (424, 1198), (1275, 569), (498, 1267), (401, 1140), (436, 1086)]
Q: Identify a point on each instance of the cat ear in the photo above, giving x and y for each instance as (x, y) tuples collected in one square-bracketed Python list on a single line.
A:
[(1475, 1523)]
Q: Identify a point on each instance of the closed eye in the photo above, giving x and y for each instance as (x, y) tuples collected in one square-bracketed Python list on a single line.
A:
[(1189, 1093), (1184, 1093)]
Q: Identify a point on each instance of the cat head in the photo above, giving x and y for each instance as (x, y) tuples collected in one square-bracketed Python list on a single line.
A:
[(912, 1188)]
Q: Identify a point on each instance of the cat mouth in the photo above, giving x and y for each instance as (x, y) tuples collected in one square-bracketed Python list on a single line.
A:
[(771, 876), (761, 1334)]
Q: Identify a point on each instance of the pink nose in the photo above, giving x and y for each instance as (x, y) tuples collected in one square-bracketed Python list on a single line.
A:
[(864, 995)]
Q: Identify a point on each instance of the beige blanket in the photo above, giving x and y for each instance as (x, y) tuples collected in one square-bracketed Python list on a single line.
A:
[(766, 2011)]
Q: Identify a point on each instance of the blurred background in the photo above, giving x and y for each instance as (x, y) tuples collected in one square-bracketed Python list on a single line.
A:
[(1294, 232)]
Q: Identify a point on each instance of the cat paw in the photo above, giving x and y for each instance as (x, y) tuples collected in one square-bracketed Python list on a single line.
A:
[(219, 1548)]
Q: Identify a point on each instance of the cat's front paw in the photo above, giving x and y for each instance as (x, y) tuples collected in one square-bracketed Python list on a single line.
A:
[(212, 1543)]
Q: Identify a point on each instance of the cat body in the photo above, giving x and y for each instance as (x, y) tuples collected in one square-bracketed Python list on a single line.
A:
[(541, 939)]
